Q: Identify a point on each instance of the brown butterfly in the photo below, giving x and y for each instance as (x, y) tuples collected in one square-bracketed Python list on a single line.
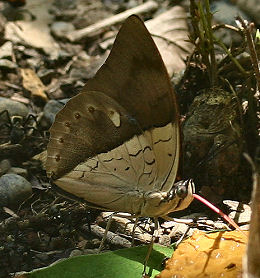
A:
[(117, 143)]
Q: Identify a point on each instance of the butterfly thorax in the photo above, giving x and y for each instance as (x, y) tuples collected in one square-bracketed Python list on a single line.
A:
[(162, 203)]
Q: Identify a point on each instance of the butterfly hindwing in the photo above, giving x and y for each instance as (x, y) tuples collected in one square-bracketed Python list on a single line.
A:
[(89, 124)]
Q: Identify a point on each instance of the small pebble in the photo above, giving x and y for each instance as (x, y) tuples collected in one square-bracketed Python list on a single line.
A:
[(50, 110), (226, 13), (178, 230), (90, 251), (7, 64), (76, 252), (42, 257), (220, 225), (61, 28), (13, 107), (18, 171), (14, 189), (5, 165), (95, 242), (6, 50), (46, 75), (165, 240), (240, 212)]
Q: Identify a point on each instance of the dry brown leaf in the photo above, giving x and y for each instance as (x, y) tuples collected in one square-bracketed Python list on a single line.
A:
[(170, 33), (33, 83), (35, 33)]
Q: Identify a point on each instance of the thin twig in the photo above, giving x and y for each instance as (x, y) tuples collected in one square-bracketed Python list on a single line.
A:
[(238, 103), (171, 42), (247, 28), (226, 26)]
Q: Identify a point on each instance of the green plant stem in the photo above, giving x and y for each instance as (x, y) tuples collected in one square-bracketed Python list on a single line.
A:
[(211, 45), (208, 43), (194, 20), (235, 61), (252, 50), (203, 40)]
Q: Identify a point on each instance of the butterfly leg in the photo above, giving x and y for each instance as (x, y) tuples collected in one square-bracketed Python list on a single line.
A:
[(177, 220), (133, 232), (115, 214), (188, 222), (150, 247), (5, 116), (106, 231)]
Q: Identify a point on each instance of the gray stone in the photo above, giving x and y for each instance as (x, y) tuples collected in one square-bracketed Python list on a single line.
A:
[(13, 107), (240, 212), (6, 50), (209, 137), (250, 7), (50, 110), (18, 171), (7, 64), (34, 62), (46, 75), (90, 251), (5, 165), (42, 257), (165, 240), (226, 13), (60, 28), (31, 52), (220, 225), (179, 230), (76, 252), (14, 189)]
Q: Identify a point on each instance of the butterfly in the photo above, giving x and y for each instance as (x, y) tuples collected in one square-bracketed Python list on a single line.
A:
[(116, 145)]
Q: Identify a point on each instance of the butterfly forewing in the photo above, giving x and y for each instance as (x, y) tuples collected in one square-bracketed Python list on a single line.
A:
[(135, 75), (119, 138)]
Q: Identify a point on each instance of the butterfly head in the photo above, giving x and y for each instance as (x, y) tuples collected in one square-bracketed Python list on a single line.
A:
[(158, 204), (182, 194)]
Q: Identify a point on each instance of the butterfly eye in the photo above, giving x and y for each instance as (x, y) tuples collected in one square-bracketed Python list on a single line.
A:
[(181, 191)]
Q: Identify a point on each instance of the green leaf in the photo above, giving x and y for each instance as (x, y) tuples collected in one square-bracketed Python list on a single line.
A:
[(127, 263)]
